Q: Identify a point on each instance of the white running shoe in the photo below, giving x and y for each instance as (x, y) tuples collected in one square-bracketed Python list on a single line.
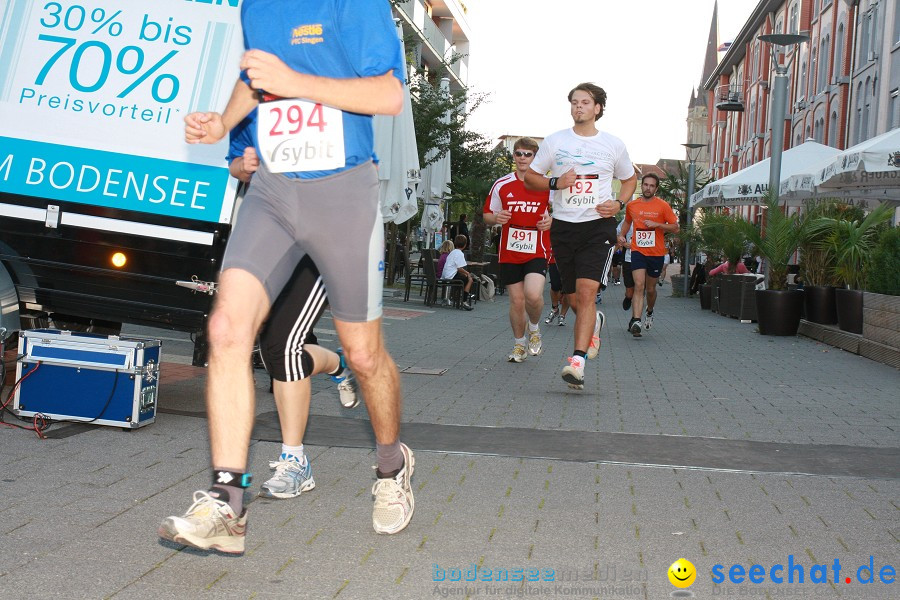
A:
[(562, 321), (518, 354), (648, 321), (394, 502), (635, 327), (594, 348), (290, 480), (534, 343), (572, 375), (553, 314), (209, 524)]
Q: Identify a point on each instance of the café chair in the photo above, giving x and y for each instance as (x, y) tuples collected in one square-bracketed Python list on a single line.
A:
[(433, 282)]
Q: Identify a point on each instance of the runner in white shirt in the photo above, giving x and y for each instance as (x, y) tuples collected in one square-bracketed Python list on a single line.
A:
[(582, 163)]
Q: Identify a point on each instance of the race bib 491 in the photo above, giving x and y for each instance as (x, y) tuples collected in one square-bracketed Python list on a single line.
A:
[(522, 240), (298, 135)]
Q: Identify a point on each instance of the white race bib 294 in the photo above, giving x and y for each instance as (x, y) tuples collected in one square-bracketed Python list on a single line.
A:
[(522, 240), (299, 135)]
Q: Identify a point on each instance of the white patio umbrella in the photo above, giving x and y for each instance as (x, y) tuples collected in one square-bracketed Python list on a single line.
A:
[(748, 186), (435, 183), (865, 174), (398, 168)]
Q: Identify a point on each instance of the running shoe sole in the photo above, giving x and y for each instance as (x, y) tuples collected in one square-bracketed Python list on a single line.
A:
[(635, 329), (310, 484), (571, 378), (219, 544)]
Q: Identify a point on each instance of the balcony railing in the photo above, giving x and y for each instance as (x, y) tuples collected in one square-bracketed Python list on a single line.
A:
[(730, 97)]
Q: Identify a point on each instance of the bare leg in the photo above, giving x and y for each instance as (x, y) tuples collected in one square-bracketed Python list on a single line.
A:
[(651, 292), (376, 373), (637, 301), (241, 306), (533, 290), (517, 308), (292, 397), (585, 315), (292, 400)]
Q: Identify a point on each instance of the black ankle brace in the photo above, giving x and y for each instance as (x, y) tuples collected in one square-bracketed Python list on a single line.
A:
[(232, 478)]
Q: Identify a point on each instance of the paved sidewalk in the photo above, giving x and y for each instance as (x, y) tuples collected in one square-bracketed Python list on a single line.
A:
[(514, 472)]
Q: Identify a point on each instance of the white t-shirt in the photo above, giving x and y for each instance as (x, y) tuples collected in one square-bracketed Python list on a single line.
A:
[(627, 257), (455, 260), (602, 154)]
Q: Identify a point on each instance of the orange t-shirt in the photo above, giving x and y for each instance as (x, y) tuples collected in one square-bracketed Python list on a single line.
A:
[(649, 242)]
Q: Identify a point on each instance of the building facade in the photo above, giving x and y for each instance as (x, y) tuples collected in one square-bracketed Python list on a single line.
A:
[(843, 82), (437, 35)]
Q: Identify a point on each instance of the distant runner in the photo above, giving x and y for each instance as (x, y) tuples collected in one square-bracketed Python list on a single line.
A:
[(524, 245), (652, 218)]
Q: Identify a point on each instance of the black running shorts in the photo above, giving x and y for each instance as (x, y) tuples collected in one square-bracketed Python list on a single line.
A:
[(583, 250)]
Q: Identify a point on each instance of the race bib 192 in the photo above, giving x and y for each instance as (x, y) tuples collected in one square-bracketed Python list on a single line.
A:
[(298, 135), (522, 240), (584, 192)]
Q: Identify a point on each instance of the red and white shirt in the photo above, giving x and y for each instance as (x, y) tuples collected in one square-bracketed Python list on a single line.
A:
[(520, 240)]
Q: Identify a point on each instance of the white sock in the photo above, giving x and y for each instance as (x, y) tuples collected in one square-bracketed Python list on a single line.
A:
[(521, 341), (293, 453), (532, 327)]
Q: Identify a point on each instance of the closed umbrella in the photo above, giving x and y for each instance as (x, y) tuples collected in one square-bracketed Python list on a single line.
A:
[(398, 168), (435, 182)]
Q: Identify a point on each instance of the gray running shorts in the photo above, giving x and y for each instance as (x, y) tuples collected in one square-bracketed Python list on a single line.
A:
[(335, 219)]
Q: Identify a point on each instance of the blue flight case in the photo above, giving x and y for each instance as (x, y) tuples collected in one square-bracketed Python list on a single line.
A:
[(87, 378)]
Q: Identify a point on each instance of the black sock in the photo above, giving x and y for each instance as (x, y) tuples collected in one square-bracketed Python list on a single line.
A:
[(581, 354)]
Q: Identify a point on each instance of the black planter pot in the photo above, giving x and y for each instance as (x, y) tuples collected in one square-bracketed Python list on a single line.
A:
[(705, 296), (820, 304), (849, 304), (779, 311)]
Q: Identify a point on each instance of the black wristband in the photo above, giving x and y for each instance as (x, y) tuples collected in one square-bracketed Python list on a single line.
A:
[(553, 181), (621, 204)]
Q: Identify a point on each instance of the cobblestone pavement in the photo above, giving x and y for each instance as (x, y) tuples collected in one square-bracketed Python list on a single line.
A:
[(79, 511)]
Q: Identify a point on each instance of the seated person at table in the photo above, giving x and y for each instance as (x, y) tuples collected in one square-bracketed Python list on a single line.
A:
[(454, 268), (725, 267), (445, 250)]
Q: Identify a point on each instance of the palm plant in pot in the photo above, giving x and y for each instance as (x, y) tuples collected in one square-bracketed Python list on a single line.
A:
[(778, 309), (726, 236), (817, 259), (852, 243)]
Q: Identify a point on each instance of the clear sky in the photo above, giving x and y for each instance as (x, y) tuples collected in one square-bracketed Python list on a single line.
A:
[(646, 54)]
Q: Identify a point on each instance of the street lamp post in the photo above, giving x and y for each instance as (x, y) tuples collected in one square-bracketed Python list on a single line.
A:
[(693, 151), (779, 97), (778, 44)]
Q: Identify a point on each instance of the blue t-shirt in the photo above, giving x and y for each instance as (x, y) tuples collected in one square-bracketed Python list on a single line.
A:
[(340, 39), (241, 136)]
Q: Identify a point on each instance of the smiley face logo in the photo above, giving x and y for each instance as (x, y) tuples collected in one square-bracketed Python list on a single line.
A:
[(682, 573)]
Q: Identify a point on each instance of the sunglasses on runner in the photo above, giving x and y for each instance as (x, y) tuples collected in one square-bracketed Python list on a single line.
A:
[(521, 153)]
